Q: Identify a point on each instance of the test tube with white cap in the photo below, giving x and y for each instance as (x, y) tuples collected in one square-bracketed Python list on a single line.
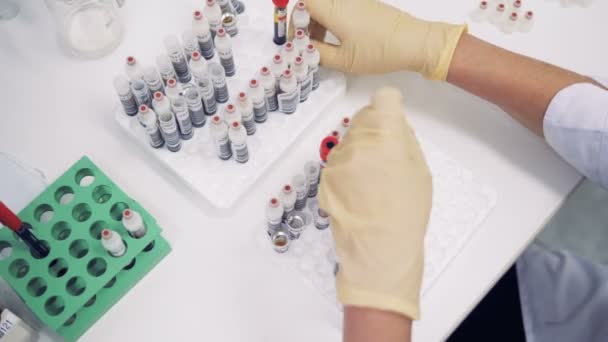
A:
[(190, 44), (213, 13), (280, 241), (223, 45), (269, 83), (231, 113), (299, 185), (527, 22), (219, 131), (165, 68), (277, 67), (133, 69), (321, 219), (312, 171), (289, 53), (481, 12), (301, 41), (207, 93), (274, 215), (202, 32), (133, 223), (288, 197), (312, 59), (195, 107), (113, 243), (153, 80), (289, 96), (127, 99), (161, 103), (258, 98), (198, 67), (149, 120), (246, 108), (238, 140), (173, 89), (182, 116), (301, 17), (168, 126), (179, 61), (303, 77), (220, 87), (141, 92)]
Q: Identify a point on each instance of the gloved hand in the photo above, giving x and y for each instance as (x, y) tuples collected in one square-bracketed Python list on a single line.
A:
[(378, 191), (378, 38)]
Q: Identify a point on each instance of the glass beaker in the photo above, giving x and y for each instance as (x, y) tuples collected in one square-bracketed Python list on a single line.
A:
[(88, 28)]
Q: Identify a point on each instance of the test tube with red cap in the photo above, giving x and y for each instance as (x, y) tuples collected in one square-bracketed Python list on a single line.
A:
[(300, 41), (288, 197), (165, 68), (289, 96), (301, 17), (133, 69), (178, 59), (511, 23), (113, 243), (278, 66), (312, 59), (326, 146), (300, 187), (161, 103), (497, 16), (198, 66), (231, 113), (343, 126), (258, 97), (516, 6), (269, 83), (218, 78), (527, 22), (303, 77), (24, 230), (213, 13), (238, 140), (280, 21), (223, 45), (173, 89), (246, 108), (202, 32), (182, 116), (274, 215), (127, 99), (148, 119), (141, 92), (481, 12), (289, 53), (219, 132), (134, 223)]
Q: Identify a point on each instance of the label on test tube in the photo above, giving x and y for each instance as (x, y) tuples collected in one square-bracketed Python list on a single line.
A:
[(223, 148), (7, 322), (315, 77), (208, 96), (306, 87), (227, 62), (241, 153), (184, 122), (129, 104), (288, 102), (154, 134), (180, 64), (271, 99)]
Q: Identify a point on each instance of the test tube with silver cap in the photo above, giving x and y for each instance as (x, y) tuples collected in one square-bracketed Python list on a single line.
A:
[(141, 92), (202, 32), (269, 83), (295, 221), (299, 185), (207, 93), (274, 215), (168, 126), (287, 196), (258, 98), (280, 241), (153, 80), (165, 68), (219, 131), (247, 117), (321, 219), (134, 223), (195, 107), (312, 57), (127, 99), (223, 45), (218, 77), (113, 243), (312, 171), (179, 61), (133, 69), (182, 115), (238, 140), (148, 119)]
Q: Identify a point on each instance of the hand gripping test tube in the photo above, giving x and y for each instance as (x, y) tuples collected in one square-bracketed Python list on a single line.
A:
[(113, 243), (178, 59), (258, 98), (269, 83), (223, 45), (202, 32), (246, 108), (238, 140), (219, 131), (127, 99), (148, 119), (134, 223)]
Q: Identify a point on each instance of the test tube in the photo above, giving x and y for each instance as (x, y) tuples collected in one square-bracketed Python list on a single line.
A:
[(313, 58), (246, 108), (301, 41), (198, 66), (148, 119), (219, 131), (113, 243), (231, 23), (231, 114), (127, 99), (213, 13), (201, 29), (289, 96), (280, 241), (161, 103), (516, 6), (153, 80), (165, 68), (274, 215), (511, 24), (238, 140), (195, 107), (481, 12), (321, 219), (173, 89), (223, 45), (299, 185), (527, 22), (280, 21), (141, 92), (190, 44), (287, 196), (170, 131), (277, 67), (220, 87), (289, 53), (303, 77), (258, 98), (179, 61), (312, 171), (301, 17), (498, 15), (133, 69), (269, 83), (133, 223), (207, 93), (180, 108)]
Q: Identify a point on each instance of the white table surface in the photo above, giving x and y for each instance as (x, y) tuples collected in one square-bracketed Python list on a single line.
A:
[(213, 286)]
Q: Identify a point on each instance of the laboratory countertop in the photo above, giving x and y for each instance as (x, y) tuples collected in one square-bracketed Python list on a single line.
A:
[(214, 286)]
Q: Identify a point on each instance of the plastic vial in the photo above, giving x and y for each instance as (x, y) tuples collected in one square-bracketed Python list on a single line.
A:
[(280, 241), (481, 12), (289, 96), (133, 69), (231, 114), (148, 119), (303, 77), (527, 22), (288, 197), (301, 17), (127, 99), (269, 83), (195, 107), (219, 131), (301, 41), (153, 80), (278, 66), (343, 127), (202, 32), (321, 219), (313, 58), (161, 103), (230, 22), (299, 185), (516, 6), (312, 170), (223, 45), (141, 92), (173, 89), (190, 44), (274, 215), (133, 223), (280, 21), (220, 87), (180, 108), (213, 13), (246, 108), (289, 53), (295, 222), (511, 24), (207, 94), (179, 61), (498, 15), (238, 139), (165, 68), (170, 131), (258, 98), (198, 66), (113, 243)]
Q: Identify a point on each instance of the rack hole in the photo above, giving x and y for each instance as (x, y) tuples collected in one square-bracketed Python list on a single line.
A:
[(96, 228), (97, 267), (64, 195), (85, 177), (81, 212), (102, 194), (43, 213), (61, 231), (149, 247), (19, 268), (76, 286), (70, 321), (110, 283), (58, 267), (36, 256), (6, 249), (54, 306), (130, 265), (117, 209), (36, 287), (79, 248), (90, 302)]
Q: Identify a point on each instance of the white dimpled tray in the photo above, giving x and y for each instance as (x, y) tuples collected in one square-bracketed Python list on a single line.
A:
[(460, 204), (222, 183)]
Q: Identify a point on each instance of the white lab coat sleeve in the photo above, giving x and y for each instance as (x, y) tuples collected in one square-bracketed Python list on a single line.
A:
[(576, 127)]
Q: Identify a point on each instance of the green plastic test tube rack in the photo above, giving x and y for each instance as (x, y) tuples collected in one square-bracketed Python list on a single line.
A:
[(72, 287)]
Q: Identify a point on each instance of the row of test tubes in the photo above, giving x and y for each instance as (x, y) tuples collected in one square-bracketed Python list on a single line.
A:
[(509, 16), (133, 223)]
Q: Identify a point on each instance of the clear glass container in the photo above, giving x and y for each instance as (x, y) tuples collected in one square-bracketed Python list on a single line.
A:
[(88, 28)]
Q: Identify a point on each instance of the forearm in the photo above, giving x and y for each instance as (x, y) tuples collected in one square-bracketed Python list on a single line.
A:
[(364, 325), (520, 85)]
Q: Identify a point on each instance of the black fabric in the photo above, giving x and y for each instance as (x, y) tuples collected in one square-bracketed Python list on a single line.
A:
[(497, 317)]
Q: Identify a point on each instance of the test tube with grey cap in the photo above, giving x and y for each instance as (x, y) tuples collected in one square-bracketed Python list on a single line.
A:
[(127, 99), (220, 87), (207, 93), (219, 131), (195, 106), (178, 59), (180, 108), (168, 126), (312, 170), (141, 92)]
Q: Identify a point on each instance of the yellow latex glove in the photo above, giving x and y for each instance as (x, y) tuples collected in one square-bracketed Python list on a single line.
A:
[(378, 191), (378, 38)]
